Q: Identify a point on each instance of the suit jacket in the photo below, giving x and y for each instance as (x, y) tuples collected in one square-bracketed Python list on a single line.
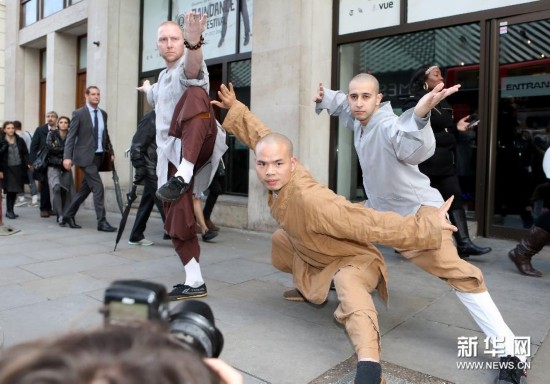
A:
[(38, 140), (80, 145)]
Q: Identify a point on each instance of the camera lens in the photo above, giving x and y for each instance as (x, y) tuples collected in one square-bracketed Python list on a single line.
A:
[(192, 322)]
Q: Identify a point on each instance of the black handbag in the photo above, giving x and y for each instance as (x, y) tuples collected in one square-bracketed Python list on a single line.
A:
[(40, 164)]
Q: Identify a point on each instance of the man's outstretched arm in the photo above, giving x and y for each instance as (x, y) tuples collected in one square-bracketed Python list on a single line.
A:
[(335, 103)]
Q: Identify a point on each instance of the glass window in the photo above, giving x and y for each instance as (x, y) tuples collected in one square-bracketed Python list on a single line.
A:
[(432, 9), (83, 53), (52, 6), (393, 60), (238, 154), (522, 187), (154, 13), (29, 11), (43, 64)]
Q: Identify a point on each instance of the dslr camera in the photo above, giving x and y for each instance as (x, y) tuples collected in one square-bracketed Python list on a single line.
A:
[(191, 321)]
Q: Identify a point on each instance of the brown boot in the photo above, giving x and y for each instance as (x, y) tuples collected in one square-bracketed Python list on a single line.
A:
[(530, 245)]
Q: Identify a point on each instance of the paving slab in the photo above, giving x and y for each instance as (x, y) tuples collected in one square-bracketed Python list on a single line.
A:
[(53, 280)]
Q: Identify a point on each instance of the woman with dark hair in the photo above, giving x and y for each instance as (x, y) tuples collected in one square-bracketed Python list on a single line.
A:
[(441, 167), (14, 163), (60, 181)]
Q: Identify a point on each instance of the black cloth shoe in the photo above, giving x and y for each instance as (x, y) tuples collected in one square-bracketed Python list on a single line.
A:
[(173, 189), (209, 235), (11, 215), (104, 226), (71, 222), (511, 371), (182, 292)]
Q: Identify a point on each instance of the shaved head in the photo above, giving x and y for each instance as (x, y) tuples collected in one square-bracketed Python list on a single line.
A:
[(364, 97), (368, 78), (278, 138), (275, 161)]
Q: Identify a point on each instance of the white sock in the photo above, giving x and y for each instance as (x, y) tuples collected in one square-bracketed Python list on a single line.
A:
[(193, 275), (488, 317), (185, 170)]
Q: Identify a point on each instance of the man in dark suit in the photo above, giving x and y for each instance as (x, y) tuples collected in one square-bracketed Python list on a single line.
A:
[(39, 142), (88, 138)]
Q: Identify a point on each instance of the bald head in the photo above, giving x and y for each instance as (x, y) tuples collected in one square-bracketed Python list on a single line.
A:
[(277, 138), (170, 24), (170, 42), (367, 78), (274, 161), (364, 97)]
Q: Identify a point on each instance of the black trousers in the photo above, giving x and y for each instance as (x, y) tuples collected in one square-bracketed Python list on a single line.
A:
[(214, 190), (148, 201), (45, 203), (543, 221), (448, 186)]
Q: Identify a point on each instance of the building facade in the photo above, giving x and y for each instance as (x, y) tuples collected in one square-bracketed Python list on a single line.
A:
[(276, 53)]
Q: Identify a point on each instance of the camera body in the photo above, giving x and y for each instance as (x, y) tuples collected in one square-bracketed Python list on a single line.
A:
[(129, 302)]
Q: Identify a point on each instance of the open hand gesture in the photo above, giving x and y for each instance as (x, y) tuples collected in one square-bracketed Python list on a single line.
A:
[(193, 27), (442, 215), (227, 97), (432, 98), (145, 86), (320, 93)]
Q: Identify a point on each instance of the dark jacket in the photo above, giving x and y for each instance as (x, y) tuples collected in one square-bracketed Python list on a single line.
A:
[(23, 153), (56, 145), (38, 140), (3, 149), (143, 151), (443, 162)]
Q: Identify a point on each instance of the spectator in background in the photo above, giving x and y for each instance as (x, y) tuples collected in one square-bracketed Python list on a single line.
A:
[(214, 190), (538, 235), (206, 234), (5, 230), (59, 179), (26, 135), (85, 145), (38, 143), (15, 163)]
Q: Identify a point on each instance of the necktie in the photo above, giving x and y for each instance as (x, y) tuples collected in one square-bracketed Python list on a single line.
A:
[(96, 128)]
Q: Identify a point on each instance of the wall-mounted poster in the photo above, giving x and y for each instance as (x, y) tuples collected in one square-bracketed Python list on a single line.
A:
[(245, 42), (221, 28)]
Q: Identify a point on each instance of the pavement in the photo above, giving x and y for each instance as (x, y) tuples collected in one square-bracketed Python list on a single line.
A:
[(53, 279)]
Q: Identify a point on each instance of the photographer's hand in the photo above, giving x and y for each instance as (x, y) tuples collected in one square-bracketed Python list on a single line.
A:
[(227, 373)]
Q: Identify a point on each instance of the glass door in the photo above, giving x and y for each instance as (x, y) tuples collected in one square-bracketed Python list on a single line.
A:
[(521, 189)]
